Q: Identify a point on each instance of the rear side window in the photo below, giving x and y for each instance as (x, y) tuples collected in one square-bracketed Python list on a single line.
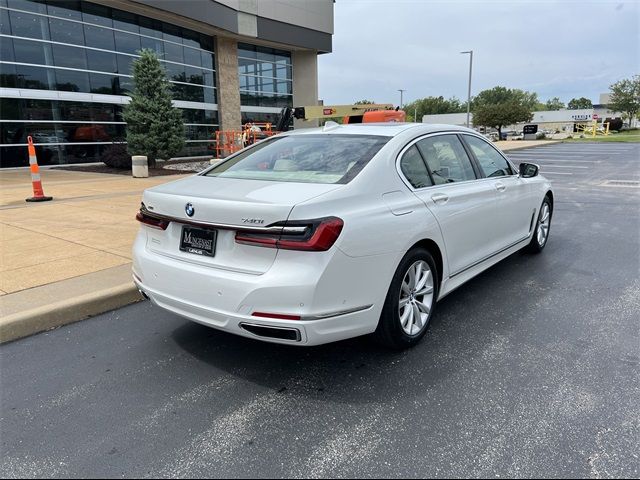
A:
[(491, 162), (414, 169), (447, 159), (323, 158)]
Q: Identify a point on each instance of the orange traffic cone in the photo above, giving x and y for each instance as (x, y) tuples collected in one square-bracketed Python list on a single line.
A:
[(38, 193)]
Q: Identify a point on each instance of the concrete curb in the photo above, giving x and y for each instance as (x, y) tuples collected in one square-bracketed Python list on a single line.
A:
[(522, 147), (58, 314)]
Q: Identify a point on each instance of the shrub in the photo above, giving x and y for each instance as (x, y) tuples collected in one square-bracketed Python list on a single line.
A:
[(615, 123), (116, 156)]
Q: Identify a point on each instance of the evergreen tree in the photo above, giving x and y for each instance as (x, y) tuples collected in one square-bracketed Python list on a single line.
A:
[(154, 125)]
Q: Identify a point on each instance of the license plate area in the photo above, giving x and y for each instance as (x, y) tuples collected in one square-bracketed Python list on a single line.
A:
[(198, 241)]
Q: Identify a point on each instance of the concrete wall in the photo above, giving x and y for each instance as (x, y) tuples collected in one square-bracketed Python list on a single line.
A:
[(228, 84), (313, 14), (299, 23), (305, 83)]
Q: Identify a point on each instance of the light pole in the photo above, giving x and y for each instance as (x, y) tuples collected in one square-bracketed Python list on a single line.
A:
[(470, 52), (401, 92)]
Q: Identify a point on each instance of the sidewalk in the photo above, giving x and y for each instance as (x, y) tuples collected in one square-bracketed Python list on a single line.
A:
[(68, 259), (48, 247)]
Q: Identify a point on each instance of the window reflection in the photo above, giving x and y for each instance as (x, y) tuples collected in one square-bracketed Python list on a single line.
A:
[(95, 59), (265, 76)]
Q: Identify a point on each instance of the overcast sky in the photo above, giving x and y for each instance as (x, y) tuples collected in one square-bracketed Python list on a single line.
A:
[(555, 48)]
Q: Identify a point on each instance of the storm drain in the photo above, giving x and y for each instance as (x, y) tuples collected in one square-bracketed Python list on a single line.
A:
[(622, 183)]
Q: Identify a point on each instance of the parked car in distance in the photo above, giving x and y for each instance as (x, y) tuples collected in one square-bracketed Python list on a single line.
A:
[(319, 235)]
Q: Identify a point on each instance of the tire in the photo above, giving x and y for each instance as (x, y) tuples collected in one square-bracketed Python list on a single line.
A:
[(400, 326), (540, 235)]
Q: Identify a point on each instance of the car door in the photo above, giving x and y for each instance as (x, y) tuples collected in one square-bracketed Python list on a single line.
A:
[(463, 206), (515, 203)]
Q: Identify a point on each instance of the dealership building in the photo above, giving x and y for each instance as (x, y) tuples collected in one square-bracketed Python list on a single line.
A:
[(65, 68)]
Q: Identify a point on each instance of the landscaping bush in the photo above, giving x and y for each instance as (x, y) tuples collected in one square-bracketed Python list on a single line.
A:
[(615, 123), (116, 156)]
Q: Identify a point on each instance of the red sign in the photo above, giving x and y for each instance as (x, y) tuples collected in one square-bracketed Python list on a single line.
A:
[(595, 116), (328, 111)]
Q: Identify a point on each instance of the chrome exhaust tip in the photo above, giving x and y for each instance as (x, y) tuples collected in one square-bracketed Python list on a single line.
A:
[(144, 295), (276, 333)]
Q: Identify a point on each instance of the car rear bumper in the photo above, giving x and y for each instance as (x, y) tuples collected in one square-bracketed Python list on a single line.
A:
[(308, 333), (327, 291)]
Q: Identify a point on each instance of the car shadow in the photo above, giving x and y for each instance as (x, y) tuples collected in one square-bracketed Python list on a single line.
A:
[(361, 371)]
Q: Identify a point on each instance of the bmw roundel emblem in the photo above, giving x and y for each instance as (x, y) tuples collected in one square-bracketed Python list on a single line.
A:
[(188, 208)]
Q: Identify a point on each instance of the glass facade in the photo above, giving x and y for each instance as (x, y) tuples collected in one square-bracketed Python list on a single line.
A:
[(266, 81), (79, 46)]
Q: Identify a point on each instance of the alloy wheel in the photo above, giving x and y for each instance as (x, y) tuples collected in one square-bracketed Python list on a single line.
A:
[(416, 298), (543, 224)]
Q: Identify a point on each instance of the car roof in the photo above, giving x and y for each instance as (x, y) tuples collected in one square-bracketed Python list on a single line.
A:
[(387, 129)]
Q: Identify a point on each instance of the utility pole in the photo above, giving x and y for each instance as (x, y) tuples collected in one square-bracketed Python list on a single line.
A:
[(470, 52), (401, 92)]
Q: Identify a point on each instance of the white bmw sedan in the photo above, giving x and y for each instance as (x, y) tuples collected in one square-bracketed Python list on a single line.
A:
[(319, 235)]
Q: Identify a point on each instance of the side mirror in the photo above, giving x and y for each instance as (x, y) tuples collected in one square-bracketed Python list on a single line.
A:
[(529, 170)]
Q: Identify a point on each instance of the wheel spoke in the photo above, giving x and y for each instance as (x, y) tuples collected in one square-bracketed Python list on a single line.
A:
[(404, 301), (418, 274), (405, 288), (425, 291), (406, 316), (423, 307), (417, 318), (545, 215), (412, 278), (423, 280)]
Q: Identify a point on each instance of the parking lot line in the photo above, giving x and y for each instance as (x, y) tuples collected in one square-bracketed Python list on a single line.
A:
[(538, 159), (563, 166), (545, 172), (529, 152)]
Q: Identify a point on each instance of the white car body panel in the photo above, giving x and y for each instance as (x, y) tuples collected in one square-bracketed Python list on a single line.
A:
[(339, 293)]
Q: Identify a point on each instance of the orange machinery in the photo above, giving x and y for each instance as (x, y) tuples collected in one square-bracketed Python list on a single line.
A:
[(230, 141)]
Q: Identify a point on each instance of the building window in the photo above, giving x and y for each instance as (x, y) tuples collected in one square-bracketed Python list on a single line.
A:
[(265, 77), (83, 47), (72, 132), (87, 37)]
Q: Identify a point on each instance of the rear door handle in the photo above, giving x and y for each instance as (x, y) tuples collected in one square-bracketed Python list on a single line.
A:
[(440, 198), (501, 187)]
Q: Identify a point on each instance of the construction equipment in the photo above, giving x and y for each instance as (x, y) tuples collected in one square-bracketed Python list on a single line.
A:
[(230, 141), (593, 129), (366, 113)]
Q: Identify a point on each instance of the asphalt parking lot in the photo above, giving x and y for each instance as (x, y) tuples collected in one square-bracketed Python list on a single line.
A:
[(531, 369)]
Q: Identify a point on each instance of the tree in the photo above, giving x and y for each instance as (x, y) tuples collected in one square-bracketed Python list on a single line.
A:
[(625, 97), (554, 104), (434, 106), (154, 125), (364, 102), (579, 103), (502, 106)]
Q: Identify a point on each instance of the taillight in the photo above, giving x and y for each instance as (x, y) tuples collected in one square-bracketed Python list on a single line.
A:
[(311, 235), (143, 217)]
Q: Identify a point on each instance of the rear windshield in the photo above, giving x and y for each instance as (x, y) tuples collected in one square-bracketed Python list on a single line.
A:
[(303, 158)]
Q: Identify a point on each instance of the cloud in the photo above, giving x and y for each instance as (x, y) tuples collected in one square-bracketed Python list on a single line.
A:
[(556, 48)]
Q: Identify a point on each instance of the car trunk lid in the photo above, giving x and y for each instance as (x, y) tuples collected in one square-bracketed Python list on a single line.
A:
[(225, 205)]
